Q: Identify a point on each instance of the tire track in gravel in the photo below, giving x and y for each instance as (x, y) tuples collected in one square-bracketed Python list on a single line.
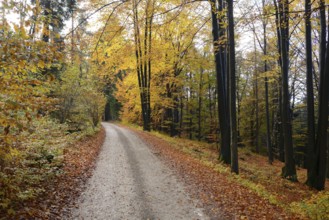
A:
[(129, 182), (137, 175)]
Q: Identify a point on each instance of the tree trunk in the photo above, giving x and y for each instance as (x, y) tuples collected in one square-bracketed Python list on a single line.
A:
[(143, 61), (289, 170), (200, 104), (210, 100), (72, 38), (232, 89), (268, 132), (317, 168), (225, 154), (280, 140), (256, 99), (309, 86), (181, 115), (281, 136)]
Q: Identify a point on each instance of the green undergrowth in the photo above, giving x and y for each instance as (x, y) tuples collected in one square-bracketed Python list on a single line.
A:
[(34, 160)]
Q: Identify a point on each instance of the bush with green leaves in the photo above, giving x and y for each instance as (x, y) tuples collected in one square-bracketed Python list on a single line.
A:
[(81, 100), (35, 158)]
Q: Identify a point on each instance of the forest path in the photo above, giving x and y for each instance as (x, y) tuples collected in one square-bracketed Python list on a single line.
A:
[(130, 182)]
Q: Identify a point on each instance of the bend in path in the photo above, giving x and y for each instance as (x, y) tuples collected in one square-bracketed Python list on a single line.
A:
[(129, 182)]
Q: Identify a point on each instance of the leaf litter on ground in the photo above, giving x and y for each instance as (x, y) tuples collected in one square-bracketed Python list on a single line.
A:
[(258, 192)]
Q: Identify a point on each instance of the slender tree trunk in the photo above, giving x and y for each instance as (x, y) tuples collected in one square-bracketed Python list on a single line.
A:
[(145, 68), (200, 104), (72, 39), (191, 112), (175, 118), (181, 115), (187, 110), (268, 132), (256, 99), (251, 140), (309, 86), (149, 68), (212, 111), (232, 89), (289, 170), (210, 100)]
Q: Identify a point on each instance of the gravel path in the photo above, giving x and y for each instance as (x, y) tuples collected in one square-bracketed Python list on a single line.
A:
[(129, 182)]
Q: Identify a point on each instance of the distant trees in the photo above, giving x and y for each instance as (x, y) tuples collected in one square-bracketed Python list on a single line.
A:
[(53, 14), (81, 99)]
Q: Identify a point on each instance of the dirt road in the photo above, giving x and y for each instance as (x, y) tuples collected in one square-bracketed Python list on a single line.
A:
[(130, 182)]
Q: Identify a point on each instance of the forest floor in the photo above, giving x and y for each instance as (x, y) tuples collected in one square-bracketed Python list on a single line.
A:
[(258, 192)]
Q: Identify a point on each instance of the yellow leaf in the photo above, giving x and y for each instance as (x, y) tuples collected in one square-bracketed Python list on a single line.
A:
[(33, 69), (41, 64), (21, 64)]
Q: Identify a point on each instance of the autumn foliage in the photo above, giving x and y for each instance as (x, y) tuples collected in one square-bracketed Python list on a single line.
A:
[(46, 105), (232, 74)]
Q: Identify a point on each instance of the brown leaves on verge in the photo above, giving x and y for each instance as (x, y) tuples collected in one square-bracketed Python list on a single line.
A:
[(221, 197), (61, 192)]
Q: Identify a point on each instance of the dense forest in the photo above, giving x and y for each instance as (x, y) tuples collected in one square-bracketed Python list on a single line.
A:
[(249, 74)]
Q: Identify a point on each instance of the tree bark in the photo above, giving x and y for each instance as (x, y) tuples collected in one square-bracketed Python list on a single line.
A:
[(309, 86), (256, 99), (225, 154), (289, 170), (317, 167), (268, 132), (232, 89), (143, 61), (200, 104)]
